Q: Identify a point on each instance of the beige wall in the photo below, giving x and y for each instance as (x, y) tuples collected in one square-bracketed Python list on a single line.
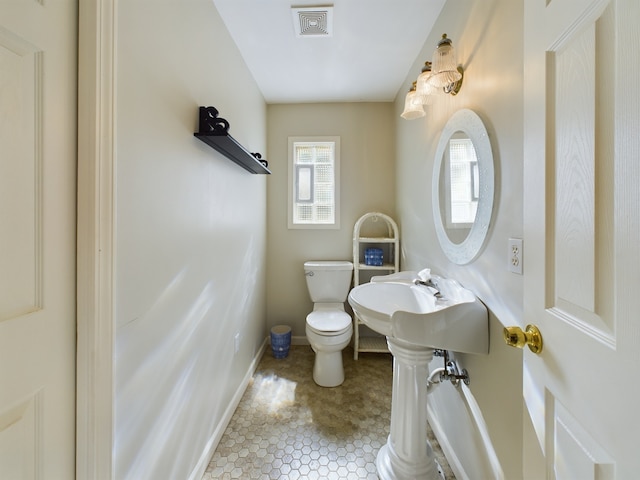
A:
[(191, 236), (191, 225), (367, 180), (488, 38)]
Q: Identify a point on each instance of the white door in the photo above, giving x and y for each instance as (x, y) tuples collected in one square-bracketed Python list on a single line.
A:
[(582, 234), (37, 238)]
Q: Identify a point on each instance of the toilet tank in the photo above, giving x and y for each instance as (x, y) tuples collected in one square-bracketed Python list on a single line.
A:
[(328, 281)]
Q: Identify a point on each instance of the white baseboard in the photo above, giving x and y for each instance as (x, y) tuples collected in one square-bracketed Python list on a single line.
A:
[(454, 462), (213, 442), (459, 461), (295, 340), (300, 340)]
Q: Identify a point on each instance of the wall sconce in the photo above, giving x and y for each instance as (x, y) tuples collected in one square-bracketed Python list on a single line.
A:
[(441, 75), (412, 107), (446, 73), (425, 90)]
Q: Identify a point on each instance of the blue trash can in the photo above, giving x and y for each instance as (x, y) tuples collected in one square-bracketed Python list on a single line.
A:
[(280, 340), (373, 256)]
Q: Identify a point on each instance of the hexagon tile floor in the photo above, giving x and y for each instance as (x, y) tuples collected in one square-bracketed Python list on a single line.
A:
[(287, 427)]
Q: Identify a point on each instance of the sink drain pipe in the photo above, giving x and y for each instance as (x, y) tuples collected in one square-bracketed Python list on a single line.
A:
[(450, 371)]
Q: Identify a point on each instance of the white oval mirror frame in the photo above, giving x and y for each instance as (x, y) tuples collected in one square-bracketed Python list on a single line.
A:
[(470, 123)]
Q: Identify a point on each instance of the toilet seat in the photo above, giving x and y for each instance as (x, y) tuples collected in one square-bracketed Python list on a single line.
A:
[(328, 322)]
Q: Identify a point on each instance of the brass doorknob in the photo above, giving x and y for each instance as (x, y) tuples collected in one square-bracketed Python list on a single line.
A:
[(515, 337)]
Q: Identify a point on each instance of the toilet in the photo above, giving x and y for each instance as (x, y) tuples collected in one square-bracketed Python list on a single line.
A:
[(328, 326)]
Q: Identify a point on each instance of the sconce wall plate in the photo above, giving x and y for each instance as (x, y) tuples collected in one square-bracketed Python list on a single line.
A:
[(454, 88)]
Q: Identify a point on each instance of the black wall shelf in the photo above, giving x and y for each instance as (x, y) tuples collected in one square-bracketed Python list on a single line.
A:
[(214, 131)]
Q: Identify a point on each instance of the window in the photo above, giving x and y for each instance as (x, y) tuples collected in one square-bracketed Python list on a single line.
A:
[(464, 181), (314, 192)]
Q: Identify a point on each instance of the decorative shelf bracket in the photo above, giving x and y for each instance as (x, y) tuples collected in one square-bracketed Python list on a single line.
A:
[(214, 131)]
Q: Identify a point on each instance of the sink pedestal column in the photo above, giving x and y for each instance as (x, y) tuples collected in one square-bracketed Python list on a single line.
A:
[(408, 454)]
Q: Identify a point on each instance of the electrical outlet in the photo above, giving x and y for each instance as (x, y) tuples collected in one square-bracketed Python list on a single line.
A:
[(515, 255), (236, 342)]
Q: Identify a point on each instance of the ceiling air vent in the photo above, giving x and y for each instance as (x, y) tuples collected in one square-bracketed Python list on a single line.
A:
[(313, 21)]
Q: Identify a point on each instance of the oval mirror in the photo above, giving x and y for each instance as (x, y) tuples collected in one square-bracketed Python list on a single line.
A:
[(463, 187)]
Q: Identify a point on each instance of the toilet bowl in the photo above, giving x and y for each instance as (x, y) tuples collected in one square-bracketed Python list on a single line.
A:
[(328, 326)]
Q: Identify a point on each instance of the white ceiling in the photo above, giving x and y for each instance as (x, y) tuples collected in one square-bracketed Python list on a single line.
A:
[(373, 45)]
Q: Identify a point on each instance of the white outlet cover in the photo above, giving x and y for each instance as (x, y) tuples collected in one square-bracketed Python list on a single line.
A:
[(515, 255)]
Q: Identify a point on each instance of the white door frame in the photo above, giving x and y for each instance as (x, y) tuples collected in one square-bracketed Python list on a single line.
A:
[(96, 239)]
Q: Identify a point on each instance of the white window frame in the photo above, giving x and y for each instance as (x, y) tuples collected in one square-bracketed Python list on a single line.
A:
[(293, 169)]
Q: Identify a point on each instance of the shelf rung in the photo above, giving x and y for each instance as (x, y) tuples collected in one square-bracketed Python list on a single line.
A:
[(386, 266), (376, 239), (373, 344)]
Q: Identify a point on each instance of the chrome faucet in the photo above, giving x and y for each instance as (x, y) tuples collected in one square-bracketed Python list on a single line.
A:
[(431, 284)]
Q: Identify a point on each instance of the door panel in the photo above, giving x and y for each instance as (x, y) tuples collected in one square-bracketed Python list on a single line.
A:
[(20, 202), (581, 272), (37, 239), (576, 454), (582, 232)]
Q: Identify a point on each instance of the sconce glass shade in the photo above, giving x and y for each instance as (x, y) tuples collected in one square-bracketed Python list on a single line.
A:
[(425, 91), (444, 69), (412, 109)]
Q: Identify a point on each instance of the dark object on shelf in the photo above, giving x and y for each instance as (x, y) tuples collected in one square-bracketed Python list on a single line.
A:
[(214, 131)]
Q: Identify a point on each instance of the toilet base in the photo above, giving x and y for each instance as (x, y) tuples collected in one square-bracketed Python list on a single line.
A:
[(328, 370)]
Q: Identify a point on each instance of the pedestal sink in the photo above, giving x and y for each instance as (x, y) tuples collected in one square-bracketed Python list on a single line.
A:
[(417, 316)]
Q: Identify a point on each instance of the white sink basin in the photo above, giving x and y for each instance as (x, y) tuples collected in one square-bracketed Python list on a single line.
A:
[(398, 308)]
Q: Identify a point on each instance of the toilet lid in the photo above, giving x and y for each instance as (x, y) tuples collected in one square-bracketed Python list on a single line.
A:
[(328, 321)]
